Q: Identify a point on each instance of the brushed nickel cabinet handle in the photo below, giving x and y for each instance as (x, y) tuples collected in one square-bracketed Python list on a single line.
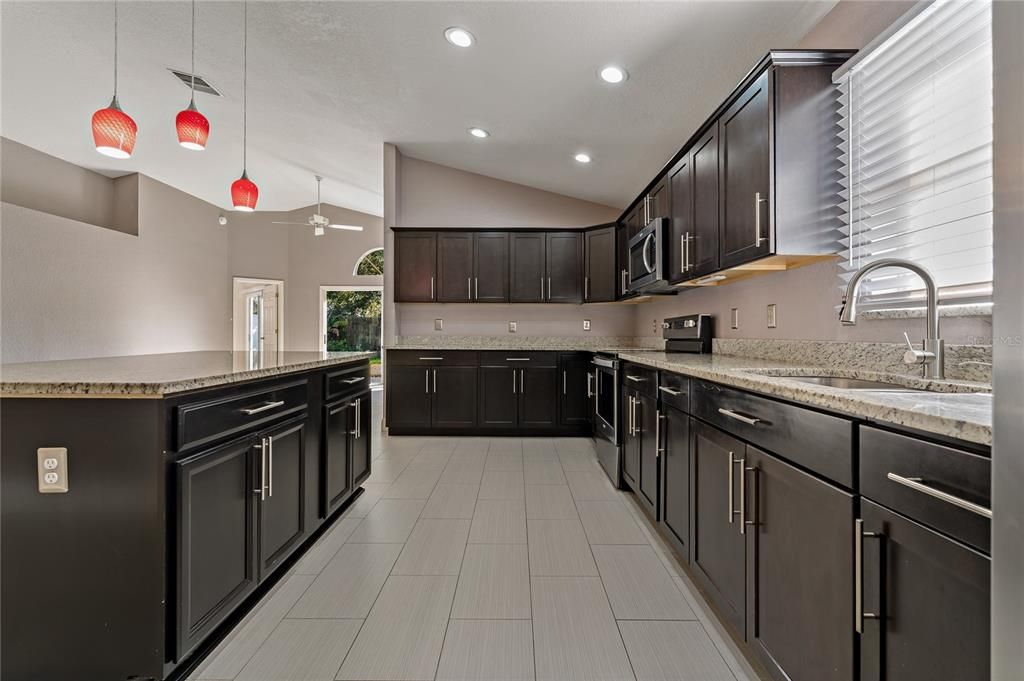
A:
[(426, 381), (522, 381), (262, 491), (249, 411), (743, 494), (433, 359), (730, 496), (358, 379), (270, 466), (517, 359), (586, 288), (476, 288), (657, 433), (757, 218), (435, 381), (565, 377), (432, 287), (638, 379), (469, 288), (743, 501), (918, 485), (749, 420), (858, 575), (549, 288), (670, 391)]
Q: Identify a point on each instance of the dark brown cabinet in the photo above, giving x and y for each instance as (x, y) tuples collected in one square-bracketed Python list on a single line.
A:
[(746, 223), (415, 267), (800, 581), (675, 476), (527, 267), (702, 256), (282, 505), (680, 226), (634, 220), (630, 442), (413, 408), (622, 262), (575, 403), (430, 393), (538, 397), (362, 450), (931, 596), (519, 393), (339, 419), (499, 397), (490, 267), (600, 280), (640, 448), (453, 397), (216, 541), (454, 267), (564, 267)]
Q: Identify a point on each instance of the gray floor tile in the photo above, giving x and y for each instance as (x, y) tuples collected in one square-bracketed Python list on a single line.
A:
[(499, 521), (506, 444), (550, 502), (545, 445), (430, 460), (367, 499), (435, 547), (482, 650), (462, 475), (390, 522), (577, 460), (504, 461), (730, 652), (402, 637), (574, 632), (451, 501), (673, 651), (322, 552), (472, 444), (413, 483), (494, 583), (639, 588), (590, 485), (386, 470), (559, 548), (542, 469), (609, 522), (302, 650), (348, 586), (502, 485), (228, 659)]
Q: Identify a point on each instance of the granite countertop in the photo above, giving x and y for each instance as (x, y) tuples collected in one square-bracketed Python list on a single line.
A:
[(961, 409), (525, 343), (157, 375)]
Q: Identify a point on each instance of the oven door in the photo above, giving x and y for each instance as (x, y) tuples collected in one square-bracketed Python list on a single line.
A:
[(607, 403)]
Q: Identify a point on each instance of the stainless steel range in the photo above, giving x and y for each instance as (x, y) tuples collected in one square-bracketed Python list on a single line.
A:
[(606, 416)]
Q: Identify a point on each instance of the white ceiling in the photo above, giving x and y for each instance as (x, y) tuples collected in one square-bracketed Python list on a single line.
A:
[(329, 82)]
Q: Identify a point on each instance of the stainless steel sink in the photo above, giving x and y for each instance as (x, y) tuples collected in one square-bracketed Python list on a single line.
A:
[(854, 384)]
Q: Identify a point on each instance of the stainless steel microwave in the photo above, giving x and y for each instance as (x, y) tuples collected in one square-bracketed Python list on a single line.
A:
[(648, 258)]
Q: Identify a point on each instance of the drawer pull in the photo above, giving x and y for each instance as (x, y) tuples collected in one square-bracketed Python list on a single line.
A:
[(918, 486), (670, 391), (435, 359), (635, 378), (749, 420), (358, 379), (517, 359), (249, 411)]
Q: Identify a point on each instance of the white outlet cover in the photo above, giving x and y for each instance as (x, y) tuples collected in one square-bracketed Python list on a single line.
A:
[(438, 324), (735, 315), (512, 327), (586, 325), (52, 467)]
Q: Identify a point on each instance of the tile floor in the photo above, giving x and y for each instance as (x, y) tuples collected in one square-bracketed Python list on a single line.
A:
[(476, 559)]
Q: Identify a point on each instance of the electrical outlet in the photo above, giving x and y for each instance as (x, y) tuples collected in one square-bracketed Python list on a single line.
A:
[(438, 324), (655, 326), (773, 321), (511, 327), (735, 315), (586, 325), (52, 465)]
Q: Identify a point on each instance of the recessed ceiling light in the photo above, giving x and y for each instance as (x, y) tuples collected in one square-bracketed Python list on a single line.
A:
[(459, 37), (583, 158), (479, 132), (613, 74)]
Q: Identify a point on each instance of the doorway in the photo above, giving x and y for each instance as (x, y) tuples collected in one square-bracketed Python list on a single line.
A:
[(258, 315)]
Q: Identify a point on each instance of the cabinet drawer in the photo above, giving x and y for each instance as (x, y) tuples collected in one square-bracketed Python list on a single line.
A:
[(928, 482), (201, 422), (348, 380), (515, 358), (432, 357), (819, 442), (674, 391), (641, 379)]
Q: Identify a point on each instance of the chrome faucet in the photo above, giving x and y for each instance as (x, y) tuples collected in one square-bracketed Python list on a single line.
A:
[(932, 357)]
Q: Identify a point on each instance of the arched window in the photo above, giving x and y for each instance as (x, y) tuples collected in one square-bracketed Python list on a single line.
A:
[(371, 264)]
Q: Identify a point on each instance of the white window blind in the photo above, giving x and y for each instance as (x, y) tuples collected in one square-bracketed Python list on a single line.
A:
[(917, 157)]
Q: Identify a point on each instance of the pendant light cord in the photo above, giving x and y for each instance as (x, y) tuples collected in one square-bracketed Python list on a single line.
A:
[(115, 50), (245, 74), (193, 51)]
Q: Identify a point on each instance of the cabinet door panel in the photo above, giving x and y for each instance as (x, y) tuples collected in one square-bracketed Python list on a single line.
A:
[(564, 275), (706, 216), (575, 405), (216, 538), (658, 202), (622, 261), (415, 262), (282, 512), (745, 173), (538, 397), (630, 442), (647, 422), (680, 231), (490, 268), (800, 594), (338, 424), (361, 449), (600, 281), (717, 547), (675, 488), (454, 397), (527, 263), (499, 398), (409, 399), (933, 595), (454, 267)]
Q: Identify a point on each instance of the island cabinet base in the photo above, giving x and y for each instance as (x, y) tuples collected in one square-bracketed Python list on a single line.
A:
[(181, 511)]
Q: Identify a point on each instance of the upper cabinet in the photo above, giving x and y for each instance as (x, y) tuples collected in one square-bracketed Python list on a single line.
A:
[(472, 267), (600, 279), (564, 267), (415, 263), (528, 267), (490, 267)]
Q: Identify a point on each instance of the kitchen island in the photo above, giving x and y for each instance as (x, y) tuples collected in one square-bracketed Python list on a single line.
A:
[(148, 501)]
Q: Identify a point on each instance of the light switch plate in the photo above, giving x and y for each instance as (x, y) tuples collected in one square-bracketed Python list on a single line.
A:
[(511, 327), (52, 465), (438, 324), (773, 321), (735, 316), (586, 325)]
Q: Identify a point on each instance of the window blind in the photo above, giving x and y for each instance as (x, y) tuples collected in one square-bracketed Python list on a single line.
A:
[(916, 131)]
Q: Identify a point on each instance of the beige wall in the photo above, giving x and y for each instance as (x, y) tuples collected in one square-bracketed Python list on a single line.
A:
[(429, 195)]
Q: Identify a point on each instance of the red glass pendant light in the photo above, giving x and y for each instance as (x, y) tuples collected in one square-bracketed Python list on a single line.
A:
[(244, 191), (193, 127), (114, 131)]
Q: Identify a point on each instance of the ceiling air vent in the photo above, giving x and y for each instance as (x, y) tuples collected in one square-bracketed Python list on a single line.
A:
[(201, 84)]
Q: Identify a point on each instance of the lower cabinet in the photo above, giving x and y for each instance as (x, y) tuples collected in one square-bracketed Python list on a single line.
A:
[(513, 398), (538, 397), (929, 595), (630, 441), (675, 478), (409, 397), (640, 447), (499, 397), (282, 503), (423, 397), (361, 453), (453, 397), (574, 392), (346, 450)]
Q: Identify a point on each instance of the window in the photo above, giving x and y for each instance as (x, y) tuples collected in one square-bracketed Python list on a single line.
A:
[(917, 156), (371, 264)]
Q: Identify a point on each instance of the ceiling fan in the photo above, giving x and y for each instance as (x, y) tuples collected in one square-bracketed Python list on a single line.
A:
[(318, 221)]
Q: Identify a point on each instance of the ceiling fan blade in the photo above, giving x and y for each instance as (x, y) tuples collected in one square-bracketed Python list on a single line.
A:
[(351, 228), (303, 224)]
